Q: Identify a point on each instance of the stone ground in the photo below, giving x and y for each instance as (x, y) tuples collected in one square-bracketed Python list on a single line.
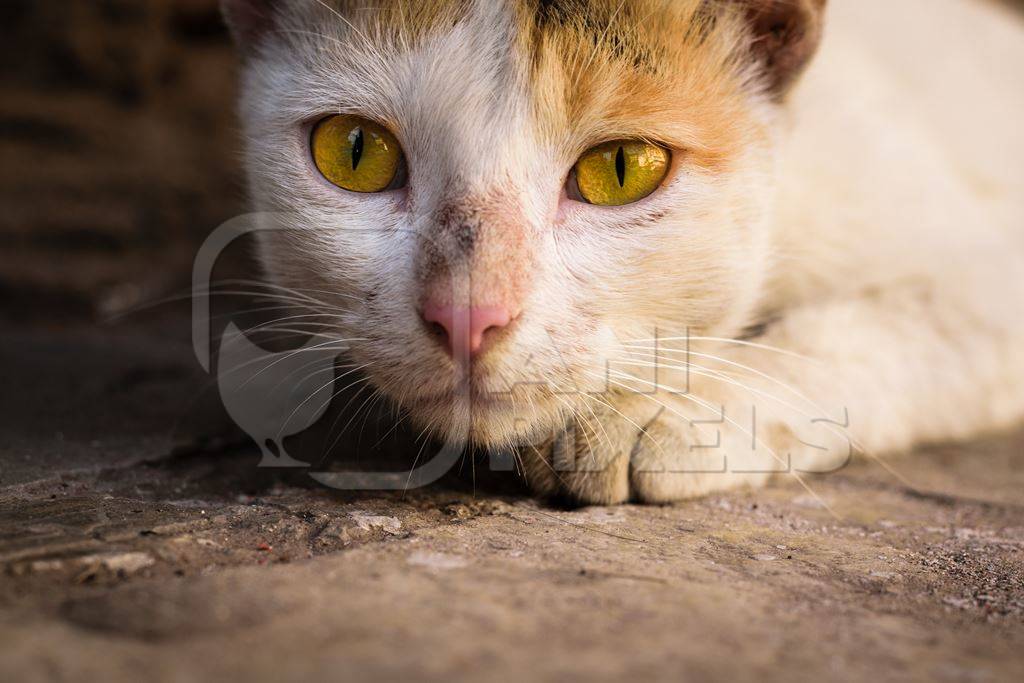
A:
[(138, 538)]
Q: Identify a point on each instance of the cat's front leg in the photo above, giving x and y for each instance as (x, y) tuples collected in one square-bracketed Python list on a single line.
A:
[(588, 460), (655, 447)]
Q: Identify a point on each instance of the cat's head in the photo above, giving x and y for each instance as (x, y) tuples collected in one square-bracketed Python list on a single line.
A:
[(504, 190)]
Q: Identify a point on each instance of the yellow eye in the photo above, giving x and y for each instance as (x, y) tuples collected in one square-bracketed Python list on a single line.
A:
[(356, 154), (621, 172)]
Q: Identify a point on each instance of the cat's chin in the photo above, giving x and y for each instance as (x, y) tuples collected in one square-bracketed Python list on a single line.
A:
[(483, 420)]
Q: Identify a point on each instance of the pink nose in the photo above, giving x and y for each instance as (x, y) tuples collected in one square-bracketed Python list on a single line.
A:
[(465, 328)]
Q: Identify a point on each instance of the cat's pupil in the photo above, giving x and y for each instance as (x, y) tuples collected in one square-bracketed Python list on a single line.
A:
[(620, 166), (357, 148)]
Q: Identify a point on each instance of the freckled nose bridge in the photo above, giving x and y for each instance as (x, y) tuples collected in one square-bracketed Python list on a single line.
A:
[(474, 271)]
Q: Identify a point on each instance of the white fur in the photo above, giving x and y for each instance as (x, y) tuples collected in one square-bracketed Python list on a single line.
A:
[(875, 222)]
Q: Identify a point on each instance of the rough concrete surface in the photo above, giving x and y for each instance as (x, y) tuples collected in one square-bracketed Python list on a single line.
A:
[(138, 539)]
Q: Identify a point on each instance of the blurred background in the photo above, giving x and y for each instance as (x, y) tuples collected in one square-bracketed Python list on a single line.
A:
[(118, 155), (118, 151)]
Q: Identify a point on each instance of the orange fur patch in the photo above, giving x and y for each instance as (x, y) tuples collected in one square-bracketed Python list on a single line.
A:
[(662, 71)]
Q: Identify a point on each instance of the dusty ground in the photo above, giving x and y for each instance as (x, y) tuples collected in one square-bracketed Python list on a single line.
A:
[(137, 537)]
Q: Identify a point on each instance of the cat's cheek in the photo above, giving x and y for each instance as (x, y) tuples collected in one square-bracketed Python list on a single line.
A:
[(565, 208), (579, 216), (391, 201)]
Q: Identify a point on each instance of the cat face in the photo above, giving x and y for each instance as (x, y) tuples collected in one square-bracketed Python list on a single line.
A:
[(543, 180)]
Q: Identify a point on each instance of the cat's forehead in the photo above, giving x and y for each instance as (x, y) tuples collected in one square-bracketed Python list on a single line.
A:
[(633, 30), (574, 71), (636, 32)]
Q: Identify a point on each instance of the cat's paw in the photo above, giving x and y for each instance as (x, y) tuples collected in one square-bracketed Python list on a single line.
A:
[(637, 451), (584, 463), (677, 459)]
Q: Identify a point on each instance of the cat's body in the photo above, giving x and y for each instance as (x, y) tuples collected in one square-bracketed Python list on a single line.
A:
[(866, 225)]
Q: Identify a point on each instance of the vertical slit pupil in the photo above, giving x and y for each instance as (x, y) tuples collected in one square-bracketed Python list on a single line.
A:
[(357, 148), (620, 166)]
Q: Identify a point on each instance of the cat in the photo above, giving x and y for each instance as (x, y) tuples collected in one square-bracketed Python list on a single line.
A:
[(659, 248)]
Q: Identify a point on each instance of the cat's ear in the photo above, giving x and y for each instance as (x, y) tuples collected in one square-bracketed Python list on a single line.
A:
[(248, 20), (786, 34)]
